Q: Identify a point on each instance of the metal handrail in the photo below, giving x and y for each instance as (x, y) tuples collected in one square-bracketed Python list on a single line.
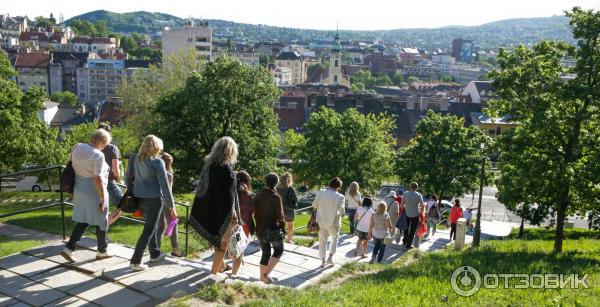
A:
[(62, 204)]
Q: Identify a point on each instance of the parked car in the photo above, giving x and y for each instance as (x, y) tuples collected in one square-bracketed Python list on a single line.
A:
[(306, 199), (30, 183), (386, 188)]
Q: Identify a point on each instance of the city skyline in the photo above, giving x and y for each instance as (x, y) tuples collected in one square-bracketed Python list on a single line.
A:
[(313, 14)]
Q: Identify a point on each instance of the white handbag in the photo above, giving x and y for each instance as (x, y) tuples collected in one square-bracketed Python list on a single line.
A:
[(237, 242)]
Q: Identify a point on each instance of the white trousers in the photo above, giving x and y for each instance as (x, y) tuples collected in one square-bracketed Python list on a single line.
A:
[(324, 232)]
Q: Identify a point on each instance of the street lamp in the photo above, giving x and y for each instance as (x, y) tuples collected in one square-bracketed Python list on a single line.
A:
[(477, 234)]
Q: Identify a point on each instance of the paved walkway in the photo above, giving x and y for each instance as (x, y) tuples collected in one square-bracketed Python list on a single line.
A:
[(41, 276)]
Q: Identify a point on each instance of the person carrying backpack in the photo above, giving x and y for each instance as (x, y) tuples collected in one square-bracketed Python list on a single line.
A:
[(433, 216)]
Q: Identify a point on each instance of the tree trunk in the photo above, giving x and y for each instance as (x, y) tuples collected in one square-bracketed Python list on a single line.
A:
[(522, 228), (560, 223)]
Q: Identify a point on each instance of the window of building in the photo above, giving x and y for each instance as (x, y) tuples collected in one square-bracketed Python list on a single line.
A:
[(336, 63), (335, 78), (201, 39)]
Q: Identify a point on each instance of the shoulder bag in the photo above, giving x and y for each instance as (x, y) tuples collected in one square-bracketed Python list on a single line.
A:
[(128, 203), (67, 176), (312, 225), (238, 242), (360, 219)]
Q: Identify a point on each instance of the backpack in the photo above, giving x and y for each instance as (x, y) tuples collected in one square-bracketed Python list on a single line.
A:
[(67, 176), (434, 212)]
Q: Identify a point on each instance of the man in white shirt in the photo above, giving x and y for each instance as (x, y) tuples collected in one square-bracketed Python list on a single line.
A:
[(329, 204)]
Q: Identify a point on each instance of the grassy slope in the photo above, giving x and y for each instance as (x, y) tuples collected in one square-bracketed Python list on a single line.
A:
[(48, 220), (427, 281), (10, 246)]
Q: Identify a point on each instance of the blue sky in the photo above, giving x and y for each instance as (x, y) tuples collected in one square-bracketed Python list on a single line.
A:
[(318, 14)]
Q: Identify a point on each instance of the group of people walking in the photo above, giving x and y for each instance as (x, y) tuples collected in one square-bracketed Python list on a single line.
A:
[(97, 184), (226, 211)]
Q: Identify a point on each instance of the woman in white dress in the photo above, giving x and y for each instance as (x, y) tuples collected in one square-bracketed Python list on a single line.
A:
[(90, 195)]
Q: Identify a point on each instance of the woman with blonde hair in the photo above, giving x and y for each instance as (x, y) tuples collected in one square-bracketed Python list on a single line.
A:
[(290, 202), (353, 201), (379, 230), (152, 191), (90, 195), (216, 209)]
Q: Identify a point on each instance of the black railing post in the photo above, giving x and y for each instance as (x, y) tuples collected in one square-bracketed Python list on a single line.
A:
[(62, 206), (187, 232)]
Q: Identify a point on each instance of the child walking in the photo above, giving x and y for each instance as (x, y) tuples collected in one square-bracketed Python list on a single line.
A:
[(169, 214), (379, 230)]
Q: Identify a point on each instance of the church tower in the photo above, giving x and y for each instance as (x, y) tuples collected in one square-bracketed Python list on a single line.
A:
[(335, 64)]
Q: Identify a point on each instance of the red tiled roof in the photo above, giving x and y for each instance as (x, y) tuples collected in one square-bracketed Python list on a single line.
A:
[(101, 40), (81, 40), (56, 37), (28, 36), (33, 60), (116, 56)]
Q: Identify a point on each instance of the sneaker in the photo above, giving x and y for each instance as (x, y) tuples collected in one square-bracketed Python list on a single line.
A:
[(158, 258), (101, 256), (137, 267), (68, 255), (372, 261)]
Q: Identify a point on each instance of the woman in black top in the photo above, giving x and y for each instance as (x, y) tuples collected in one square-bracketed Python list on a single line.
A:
[(268, 214), (216, 210)]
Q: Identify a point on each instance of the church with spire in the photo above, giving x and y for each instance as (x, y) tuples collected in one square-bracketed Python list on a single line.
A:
[(335, 64)]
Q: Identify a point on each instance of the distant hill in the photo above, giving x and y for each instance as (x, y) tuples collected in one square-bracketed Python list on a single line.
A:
[(503, 33)]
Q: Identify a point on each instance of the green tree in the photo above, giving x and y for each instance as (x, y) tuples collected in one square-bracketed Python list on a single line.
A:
[(412, 80), (364, 77), (226, 99), (65, 97), (83, 27), (357, 87), (350, 145), (264, 60), (43, 22), (445, 156), (557, 138), (383, 81), (142, 92), (313, 67), (397, 78), (19, 137), (128, 43), (101, 28)]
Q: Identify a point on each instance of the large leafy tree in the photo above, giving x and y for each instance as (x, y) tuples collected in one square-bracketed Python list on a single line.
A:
[(557, 141), (226, 99), (350, 145), (21, 131), (444, 157), (142, 92)]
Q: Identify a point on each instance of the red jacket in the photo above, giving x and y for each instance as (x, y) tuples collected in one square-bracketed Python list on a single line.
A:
[(455, 214)]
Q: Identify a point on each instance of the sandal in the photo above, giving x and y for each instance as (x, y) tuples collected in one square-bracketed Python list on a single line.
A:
[(227, 268), (355, 253), (267, 280), (178, 255)]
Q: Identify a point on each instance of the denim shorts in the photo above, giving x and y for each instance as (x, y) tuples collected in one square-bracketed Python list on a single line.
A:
[(362, 235)]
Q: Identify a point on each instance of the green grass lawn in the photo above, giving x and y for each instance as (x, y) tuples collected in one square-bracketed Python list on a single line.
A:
[(426, 281), (10, 246), (48, 220)]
